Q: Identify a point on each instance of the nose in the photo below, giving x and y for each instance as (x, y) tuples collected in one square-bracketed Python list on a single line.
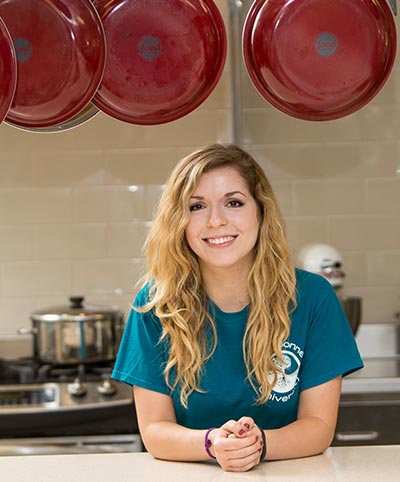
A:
[(216, 218)]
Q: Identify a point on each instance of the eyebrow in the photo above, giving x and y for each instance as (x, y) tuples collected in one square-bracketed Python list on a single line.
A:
[(228, 194)]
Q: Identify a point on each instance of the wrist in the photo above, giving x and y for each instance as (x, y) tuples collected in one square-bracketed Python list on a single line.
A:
[(208, 443), (264, 447)]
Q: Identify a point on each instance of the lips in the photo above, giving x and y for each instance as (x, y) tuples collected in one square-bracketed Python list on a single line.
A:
[(219, 241)]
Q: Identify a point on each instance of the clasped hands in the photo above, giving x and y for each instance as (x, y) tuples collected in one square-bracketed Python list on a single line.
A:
[(237, 445)]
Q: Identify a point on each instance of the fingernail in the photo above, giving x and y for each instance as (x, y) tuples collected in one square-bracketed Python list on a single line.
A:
[(242, 432), (247, 426)]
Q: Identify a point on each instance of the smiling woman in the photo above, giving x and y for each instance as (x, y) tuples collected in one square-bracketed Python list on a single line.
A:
[(233, 354)]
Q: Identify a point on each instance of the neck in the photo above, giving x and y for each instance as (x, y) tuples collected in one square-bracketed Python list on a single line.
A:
[(227, 288)]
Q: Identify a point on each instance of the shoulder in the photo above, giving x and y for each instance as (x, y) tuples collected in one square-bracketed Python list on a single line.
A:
[(143, 296), (313, 291), (139, 314), (310, 283)]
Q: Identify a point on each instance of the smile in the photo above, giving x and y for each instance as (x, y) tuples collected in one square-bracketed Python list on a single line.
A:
[(217, 241)]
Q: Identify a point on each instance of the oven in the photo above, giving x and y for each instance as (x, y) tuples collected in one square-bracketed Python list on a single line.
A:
[(47, 409), (369, 411)]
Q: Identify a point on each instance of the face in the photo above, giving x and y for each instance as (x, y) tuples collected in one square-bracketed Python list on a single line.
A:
[(223, 224)]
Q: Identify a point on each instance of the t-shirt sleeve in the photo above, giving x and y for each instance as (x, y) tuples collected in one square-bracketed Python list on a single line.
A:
[(141, 357), (330, 350)]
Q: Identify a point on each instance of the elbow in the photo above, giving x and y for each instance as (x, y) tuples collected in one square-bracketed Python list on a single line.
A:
[(154, 444), (323, 436), (151, 448), (327, 435), (148, 442), (154, 451)]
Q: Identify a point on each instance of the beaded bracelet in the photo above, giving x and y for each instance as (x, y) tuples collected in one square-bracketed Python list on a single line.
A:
[(207, 443), (264, 449)]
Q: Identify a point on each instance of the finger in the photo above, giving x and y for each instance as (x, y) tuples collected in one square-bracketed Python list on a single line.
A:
[(247, 422), (255, 431), (241, 427), (236, 447), (235, 427), (247, 459)]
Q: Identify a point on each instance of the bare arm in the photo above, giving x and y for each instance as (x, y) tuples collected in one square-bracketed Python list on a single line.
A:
[(165, 439), (313, 431), (310, 434)]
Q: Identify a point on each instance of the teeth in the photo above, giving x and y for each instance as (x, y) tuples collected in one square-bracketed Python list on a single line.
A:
[(220, 240)]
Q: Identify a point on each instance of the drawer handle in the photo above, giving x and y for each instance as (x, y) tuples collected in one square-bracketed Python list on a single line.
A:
[(356, 436)]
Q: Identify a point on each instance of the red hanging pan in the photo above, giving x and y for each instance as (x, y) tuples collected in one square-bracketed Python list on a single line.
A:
[(8, 71), (164, 58), (319, 59), (60, 49)]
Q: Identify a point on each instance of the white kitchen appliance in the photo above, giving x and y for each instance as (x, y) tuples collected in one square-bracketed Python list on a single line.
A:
[(325, 260)]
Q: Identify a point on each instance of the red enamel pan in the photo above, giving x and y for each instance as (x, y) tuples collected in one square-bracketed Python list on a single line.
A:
[(60, 50), (8, 71), (164, 58), (319, 59)]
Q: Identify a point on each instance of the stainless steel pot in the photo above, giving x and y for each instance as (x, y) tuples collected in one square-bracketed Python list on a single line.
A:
[(76, 333)]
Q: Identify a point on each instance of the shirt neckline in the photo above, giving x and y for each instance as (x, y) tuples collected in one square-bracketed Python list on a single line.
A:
[(225, 315)]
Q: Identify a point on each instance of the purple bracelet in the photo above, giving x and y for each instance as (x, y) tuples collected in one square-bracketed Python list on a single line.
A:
[(207, 443)]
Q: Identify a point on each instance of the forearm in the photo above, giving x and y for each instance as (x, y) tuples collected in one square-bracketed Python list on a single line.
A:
[(235, 445), (302, 438), (170, 441)]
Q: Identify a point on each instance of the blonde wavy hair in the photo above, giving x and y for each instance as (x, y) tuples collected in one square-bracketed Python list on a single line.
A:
[(177, 295)]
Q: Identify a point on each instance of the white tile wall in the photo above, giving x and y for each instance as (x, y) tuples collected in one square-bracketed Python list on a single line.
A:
[(71, 222)]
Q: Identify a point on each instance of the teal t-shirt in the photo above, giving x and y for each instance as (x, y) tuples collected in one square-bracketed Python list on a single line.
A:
[(320, 347)]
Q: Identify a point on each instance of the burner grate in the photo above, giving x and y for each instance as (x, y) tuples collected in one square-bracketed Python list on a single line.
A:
[(27, 371)]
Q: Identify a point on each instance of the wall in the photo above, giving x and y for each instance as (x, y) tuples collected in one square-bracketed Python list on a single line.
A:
[(75, 206)]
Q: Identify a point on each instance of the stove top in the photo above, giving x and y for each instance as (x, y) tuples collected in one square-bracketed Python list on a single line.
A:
[(26, 370), (26, 386)]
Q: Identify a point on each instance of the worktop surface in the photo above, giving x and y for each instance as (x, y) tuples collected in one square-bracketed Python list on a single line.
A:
[(337, 464)]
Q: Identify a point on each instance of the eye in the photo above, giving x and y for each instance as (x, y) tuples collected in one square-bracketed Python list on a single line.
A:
[(235, 203), (195, 207)]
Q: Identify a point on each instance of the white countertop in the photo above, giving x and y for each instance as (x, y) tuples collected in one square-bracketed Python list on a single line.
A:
[(338, 464)]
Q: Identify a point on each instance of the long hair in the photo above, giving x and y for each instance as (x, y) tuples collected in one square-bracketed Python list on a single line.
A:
[(176, 292)]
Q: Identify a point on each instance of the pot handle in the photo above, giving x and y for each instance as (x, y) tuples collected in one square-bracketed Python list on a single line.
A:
[(76, 301), (27, 331)]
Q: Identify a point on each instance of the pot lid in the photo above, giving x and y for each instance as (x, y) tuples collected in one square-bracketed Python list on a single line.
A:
[(319, 59), (163, 58), (76, 311), (60, 50)]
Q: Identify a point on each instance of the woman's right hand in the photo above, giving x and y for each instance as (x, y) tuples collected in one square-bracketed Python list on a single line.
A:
[(237, 445)]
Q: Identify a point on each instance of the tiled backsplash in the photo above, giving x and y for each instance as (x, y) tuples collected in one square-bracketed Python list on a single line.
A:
[(75, 205)]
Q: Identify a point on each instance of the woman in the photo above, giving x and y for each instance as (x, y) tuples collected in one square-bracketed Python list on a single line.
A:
[(232, 353)]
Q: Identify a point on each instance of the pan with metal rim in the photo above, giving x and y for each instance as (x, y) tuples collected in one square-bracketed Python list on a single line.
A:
[(319, 59), (164, 58)]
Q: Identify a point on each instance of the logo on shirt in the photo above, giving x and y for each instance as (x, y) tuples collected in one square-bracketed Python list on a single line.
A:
[(288, 379)]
